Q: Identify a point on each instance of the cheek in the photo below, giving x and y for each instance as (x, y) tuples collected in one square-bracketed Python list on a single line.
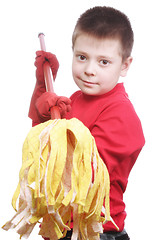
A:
[(108, 78), (76, 69), (105, 77), (113, 73), (73, 66)]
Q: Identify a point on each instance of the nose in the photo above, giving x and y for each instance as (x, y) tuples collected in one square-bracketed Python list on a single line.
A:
[(90, 69)]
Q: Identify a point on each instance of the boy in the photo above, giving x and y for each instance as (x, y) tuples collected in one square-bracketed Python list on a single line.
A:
[(102, 45)]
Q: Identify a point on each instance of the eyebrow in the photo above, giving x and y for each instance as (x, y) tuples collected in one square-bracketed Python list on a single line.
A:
[(105, 57), (80, 52)]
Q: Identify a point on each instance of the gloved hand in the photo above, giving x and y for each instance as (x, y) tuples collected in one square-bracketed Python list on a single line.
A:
[(48, 100), (41, 58)]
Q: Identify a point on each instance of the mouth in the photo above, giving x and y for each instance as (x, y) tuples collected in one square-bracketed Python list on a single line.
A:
[(88, 82)]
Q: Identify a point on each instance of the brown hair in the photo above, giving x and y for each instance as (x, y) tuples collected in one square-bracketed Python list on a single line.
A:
[(106, 22)]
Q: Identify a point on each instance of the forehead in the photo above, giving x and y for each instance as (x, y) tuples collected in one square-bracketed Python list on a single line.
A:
[(91, 44)]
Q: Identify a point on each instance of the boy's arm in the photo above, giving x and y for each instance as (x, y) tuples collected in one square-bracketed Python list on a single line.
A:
[(47, 101), (119, 138), (40, 88), (42, 101), (118, 134)]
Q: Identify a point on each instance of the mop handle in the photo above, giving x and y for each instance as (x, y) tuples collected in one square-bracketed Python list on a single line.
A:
[(48, 79)]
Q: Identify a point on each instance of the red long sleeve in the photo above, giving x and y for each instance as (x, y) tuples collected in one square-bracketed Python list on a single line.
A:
[(117, 130)]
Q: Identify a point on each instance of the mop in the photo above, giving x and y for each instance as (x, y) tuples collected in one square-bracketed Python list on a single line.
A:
[(62, 180)]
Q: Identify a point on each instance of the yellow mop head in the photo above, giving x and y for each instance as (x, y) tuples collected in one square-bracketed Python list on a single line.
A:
[(56, 179)]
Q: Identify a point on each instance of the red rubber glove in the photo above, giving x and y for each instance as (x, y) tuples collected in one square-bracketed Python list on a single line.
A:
[(48, 100), (41, 58)]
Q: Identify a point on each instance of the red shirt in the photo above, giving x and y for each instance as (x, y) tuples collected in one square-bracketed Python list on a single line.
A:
[(117, 130)]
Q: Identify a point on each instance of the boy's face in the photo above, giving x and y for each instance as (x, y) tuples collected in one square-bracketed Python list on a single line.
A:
[(97, 64)]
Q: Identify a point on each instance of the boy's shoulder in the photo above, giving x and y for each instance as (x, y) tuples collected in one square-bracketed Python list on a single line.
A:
[(110, 111), (113, 104), (116, 96)]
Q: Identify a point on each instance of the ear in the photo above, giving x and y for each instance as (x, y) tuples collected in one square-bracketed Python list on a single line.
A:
[(125, 66)]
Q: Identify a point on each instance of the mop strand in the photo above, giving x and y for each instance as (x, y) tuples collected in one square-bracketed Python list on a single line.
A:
[(62, 175)]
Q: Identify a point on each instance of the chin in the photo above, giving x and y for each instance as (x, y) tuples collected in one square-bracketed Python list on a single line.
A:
[(90, 93)]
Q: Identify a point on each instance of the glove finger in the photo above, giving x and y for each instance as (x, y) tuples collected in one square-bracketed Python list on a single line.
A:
[(63, 104), (68, 108), (65, 100), (40, 59), (39, 53), (45, 102), (53, 62)]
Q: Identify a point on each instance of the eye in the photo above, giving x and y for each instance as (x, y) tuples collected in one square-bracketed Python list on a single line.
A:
[(104, 62), (81, 57)]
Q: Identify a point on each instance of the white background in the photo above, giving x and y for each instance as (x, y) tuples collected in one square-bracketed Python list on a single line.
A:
[(20, 23)]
